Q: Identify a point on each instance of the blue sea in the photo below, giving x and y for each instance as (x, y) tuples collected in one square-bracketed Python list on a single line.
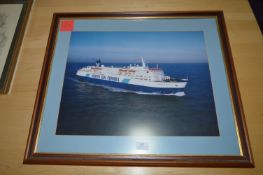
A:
[(86, 109)]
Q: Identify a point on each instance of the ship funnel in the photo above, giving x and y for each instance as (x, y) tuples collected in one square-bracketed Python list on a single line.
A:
[(98, 63), (143, 62)]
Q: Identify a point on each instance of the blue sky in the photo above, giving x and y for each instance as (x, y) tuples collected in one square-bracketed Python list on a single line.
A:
[(128, 47)]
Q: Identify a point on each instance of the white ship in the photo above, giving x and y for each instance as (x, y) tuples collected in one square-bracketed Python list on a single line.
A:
[(135, 78)]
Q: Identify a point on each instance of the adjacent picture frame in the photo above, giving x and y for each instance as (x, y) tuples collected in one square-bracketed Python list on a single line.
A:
[(13, 20), (84, 122)]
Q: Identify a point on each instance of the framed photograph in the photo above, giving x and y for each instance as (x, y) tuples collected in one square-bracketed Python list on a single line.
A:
[(13, 18), (139, 89)]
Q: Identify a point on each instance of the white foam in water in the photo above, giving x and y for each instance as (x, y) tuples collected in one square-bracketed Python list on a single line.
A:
[(180, 94), (113, 89)]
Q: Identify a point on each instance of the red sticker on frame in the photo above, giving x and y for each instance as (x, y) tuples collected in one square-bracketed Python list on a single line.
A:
[(67, 26)]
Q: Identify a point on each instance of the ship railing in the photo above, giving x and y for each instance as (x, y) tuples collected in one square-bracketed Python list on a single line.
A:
[(177, 79), (155, 68)]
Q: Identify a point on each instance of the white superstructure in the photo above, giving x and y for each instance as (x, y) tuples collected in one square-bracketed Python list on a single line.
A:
[(148, 79)]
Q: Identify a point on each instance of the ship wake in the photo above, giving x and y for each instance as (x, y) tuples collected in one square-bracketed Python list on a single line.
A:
[(114, 89), (178, 94)]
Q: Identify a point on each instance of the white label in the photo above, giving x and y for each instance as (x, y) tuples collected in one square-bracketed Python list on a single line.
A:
[(142, 146)]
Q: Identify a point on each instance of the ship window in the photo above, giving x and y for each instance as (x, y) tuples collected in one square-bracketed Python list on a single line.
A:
[(113, 78), (95, 76)]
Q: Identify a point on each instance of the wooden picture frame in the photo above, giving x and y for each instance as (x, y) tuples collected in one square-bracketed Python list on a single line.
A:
[(14, 38), (77, 157)]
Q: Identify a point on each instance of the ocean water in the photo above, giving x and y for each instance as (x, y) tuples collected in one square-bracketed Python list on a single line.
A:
[(87, 109)]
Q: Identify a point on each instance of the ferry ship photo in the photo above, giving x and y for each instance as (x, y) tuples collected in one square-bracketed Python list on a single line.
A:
[(133, 78)]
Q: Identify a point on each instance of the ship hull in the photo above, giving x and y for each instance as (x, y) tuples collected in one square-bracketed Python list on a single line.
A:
[(131, 87)]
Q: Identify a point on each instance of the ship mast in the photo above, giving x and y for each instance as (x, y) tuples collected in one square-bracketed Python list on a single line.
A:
[(143, 63)]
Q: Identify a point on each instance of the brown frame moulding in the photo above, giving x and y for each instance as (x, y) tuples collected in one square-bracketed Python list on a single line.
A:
[(11, 60), (244, 160)]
